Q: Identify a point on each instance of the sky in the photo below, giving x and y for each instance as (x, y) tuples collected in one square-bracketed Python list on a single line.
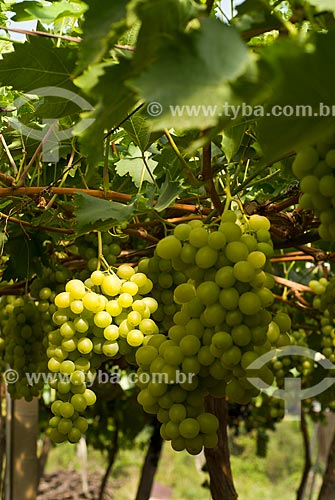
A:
[(226, 6)]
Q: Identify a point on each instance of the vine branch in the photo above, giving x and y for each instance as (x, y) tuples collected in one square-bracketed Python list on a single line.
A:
[(109, 195), (67, 38)]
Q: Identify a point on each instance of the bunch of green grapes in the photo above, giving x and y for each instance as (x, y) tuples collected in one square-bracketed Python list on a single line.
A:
[(293, 366), (87, 247), (23, 330), (100, 319), (265, 413), (173, 393), (222, 326), (315, 167), (165, 279), (324, 290), (324, 302), (51, 281)]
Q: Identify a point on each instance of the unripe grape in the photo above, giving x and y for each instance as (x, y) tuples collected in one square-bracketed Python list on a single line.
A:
[(125, 271), (168, 248), (189, 428), (111, 285), (76, 288)]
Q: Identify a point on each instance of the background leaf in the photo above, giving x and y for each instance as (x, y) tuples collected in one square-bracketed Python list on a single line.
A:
[(116, 100), (321, 5), (140, 130), (104, 23), (169, 192), (231, 140), (47, 13), (134, 165), (91, 212)]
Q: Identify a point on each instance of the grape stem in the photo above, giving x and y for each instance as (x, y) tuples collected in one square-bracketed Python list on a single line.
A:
[(34, 157), (228, 193), (180, 157), (9, 155), (207, 175), (100, 254)]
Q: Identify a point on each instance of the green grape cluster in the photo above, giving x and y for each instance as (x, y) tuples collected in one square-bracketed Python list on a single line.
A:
[(99, 319), (165, 279), (324, 290), (52, 280), (87, 247), (266, 412), (293, 366), (315, 167), (324, 302), (24, 325), (222, 326)]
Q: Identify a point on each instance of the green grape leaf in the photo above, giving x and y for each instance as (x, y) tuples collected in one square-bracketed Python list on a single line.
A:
[(169, 191), (104, 24), (303, 84), (232, 139), (321, 5), (256, 17), (40, 64), (134, 165), (26, 252), (116, 100), (189, 83), (161, 21), (95, 213), (140, 130)]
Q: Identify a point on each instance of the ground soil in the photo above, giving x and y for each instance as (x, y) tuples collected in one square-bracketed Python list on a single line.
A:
[(68, 485)]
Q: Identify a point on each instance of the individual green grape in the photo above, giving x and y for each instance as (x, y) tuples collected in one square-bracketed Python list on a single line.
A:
[(305, 161), (236, 251), (198, 237), (206, 257), (168, 248), (189, 428), (184, 293), (244, 271), (208, 292)]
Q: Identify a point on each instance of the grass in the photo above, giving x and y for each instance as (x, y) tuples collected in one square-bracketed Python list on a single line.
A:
[(275, 477)]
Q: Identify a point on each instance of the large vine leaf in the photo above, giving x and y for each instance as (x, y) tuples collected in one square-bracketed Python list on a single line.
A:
[(190, 82), (37, 64), (116, 100), (94, 213), (161, 21), (302, 78), (104, 23)]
